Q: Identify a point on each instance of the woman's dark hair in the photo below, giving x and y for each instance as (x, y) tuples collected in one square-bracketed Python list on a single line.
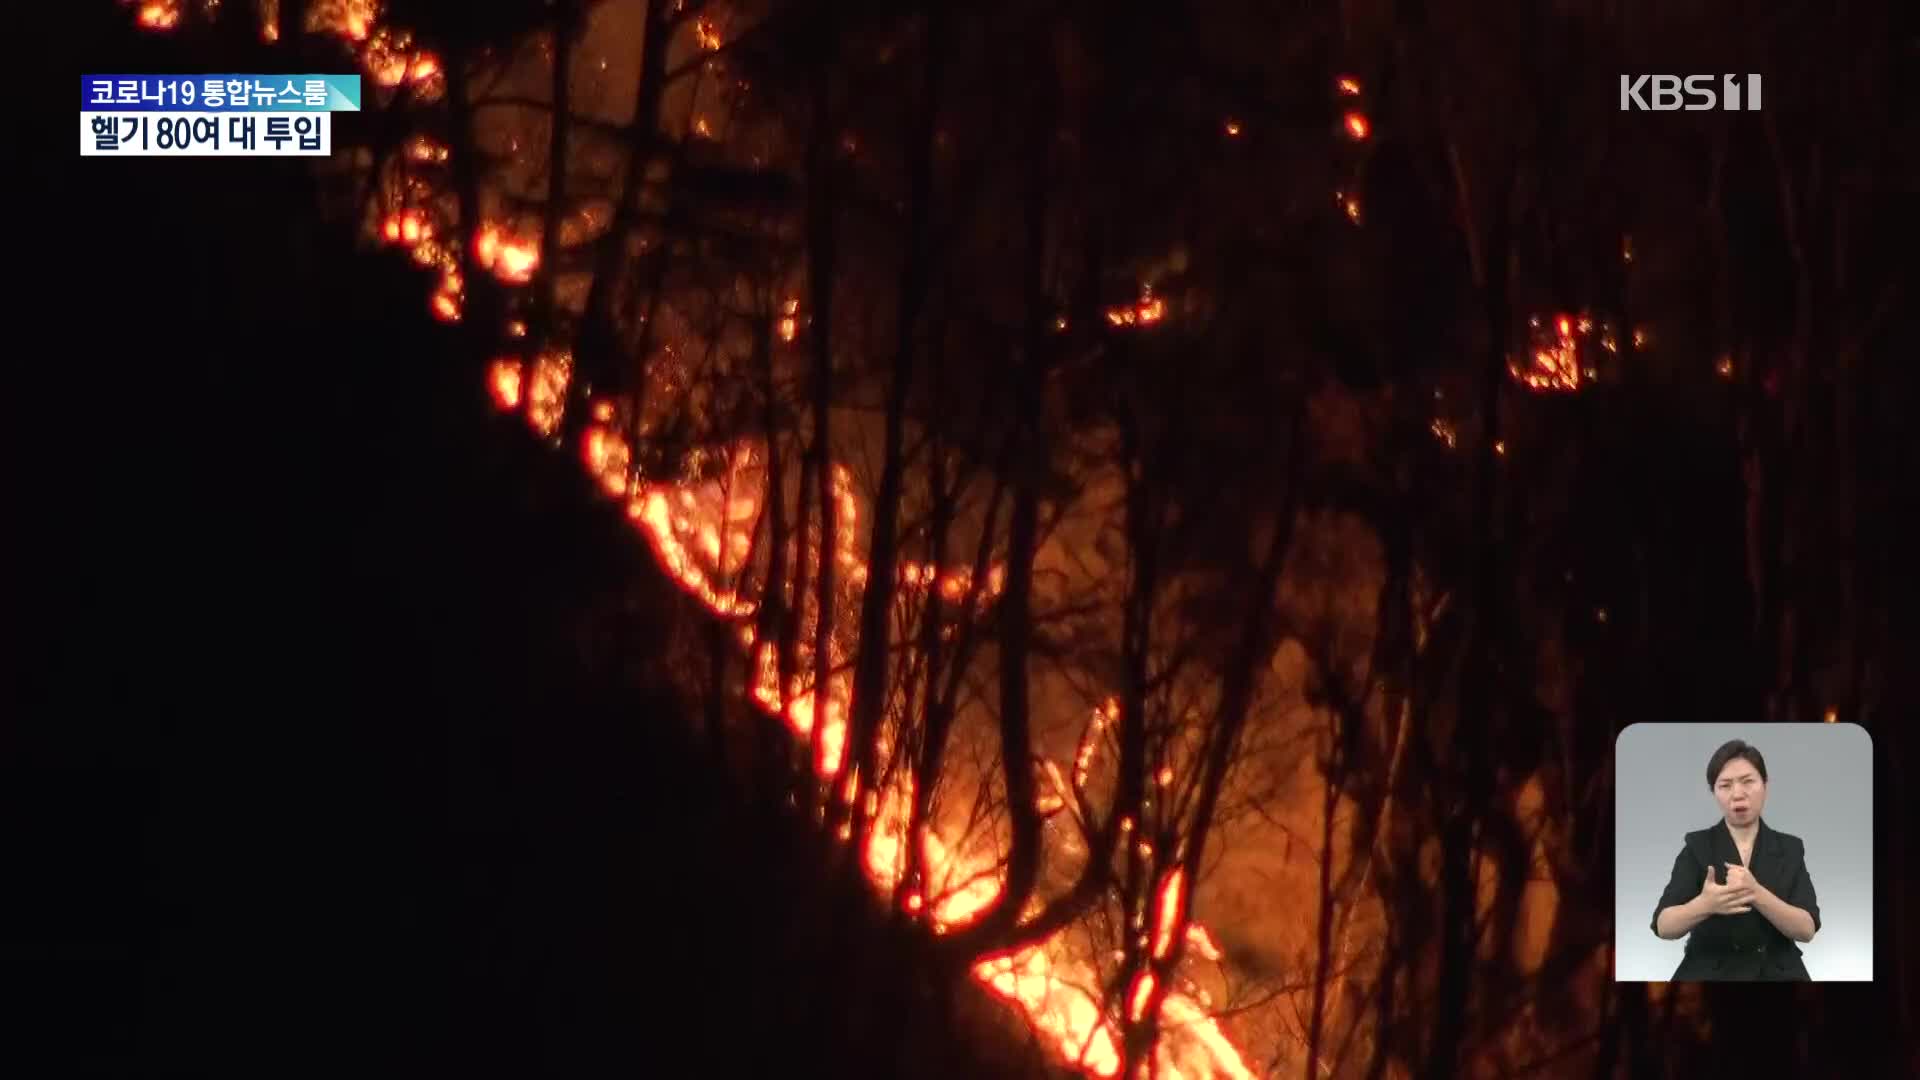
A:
[(1738, 748)]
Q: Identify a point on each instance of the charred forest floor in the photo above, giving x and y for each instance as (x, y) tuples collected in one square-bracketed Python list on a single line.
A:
[(339, 753)]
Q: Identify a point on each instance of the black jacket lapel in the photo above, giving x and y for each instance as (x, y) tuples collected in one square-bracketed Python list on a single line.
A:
[(1725, 852)]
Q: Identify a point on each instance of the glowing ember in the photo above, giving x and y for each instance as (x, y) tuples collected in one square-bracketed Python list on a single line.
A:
[(1202, 942), (486, 246), (512, 261), (1167, 911), (1142, 994), (607, 457), (549, 391), (1233, 128), (1357, 126), (503, 382), (159, 15), (446, 306), (1148, 310), (1557, 362), (516, 262), (1348, 86)]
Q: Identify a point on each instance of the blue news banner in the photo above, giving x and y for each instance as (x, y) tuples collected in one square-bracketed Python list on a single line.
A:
[(212, 115)]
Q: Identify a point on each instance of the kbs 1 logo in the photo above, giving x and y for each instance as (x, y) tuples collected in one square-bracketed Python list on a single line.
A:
[(1664, 93)]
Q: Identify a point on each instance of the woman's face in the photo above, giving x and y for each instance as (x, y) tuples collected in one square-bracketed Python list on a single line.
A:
[(1741, 792)]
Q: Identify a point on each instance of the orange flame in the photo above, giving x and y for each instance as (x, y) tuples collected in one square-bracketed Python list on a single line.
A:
[(551, 373), (503, 382), (512, 261), (1357, 126), (1142, 994), (1167, 911), (607, 458), (1148, 310), (159, 15)]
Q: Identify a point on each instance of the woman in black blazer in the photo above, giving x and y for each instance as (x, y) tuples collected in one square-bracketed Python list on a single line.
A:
[(1740, 892)]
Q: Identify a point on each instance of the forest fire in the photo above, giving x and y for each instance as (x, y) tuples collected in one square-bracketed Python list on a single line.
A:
[(685, 524), (925, 528), (702, 531)]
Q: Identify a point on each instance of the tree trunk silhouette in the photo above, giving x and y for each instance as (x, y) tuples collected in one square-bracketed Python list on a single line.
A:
[(598, 349), (1469, 759), (483, 305), (821, 267), (546, 282), (876, 610)]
